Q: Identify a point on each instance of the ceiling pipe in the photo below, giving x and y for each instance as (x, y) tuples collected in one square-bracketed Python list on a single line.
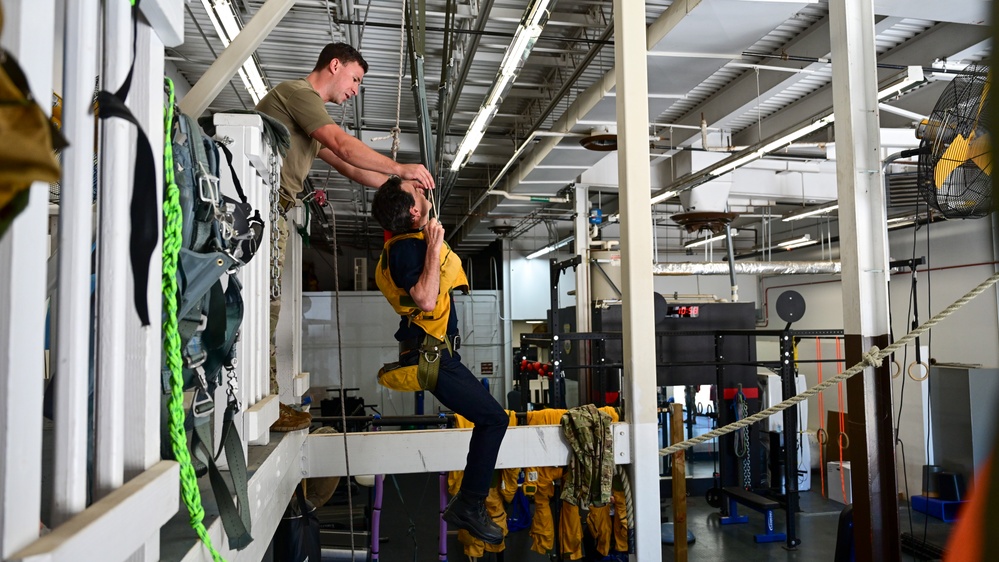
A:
[(749, 268), (581, 106), (528, 197)]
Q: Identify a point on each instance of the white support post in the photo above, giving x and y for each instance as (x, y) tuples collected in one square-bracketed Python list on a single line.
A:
[(630, 52), (581, 244), (507, 320), (251, 159), (116, 525), (864, 256), (288, 337), (28, 35), (143, 388), (143, 383), (73, 331), (242, 47), (114, 279)]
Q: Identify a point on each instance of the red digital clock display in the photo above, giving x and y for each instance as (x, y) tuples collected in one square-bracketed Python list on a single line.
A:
[(682, 311)]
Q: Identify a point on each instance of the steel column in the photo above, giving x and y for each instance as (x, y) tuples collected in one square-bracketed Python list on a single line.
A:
[(631, 71), (581, 245), (864, 251)]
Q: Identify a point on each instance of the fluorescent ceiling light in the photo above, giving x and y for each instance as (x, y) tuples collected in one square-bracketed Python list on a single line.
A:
[(793, 243), (664, 196), (227, 28), (550, 248), (537, 321), (527, 34), (708, 240), (811, 211)]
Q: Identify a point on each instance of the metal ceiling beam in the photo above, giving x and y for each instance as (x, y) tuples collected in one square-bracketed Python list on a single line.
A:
[(940, 41), (581, 106), (471, 47)]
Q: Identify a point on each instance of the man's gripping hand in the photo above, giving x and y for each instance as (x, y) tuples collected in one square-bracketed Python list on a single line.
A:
[(433, 233), (417, 172)]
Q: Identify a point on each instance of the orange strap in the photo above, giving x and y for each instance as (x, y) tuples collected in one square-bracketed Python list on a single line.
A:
[(842, 417), (822, 416)]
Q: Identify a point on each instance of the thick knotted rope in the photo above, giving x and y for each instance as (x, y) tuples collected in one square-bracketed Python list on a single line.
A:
[(873, 358)]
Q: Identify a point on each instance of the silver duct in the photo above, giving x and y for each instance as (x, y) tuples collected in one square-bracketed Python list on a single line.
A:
[(748, 268)]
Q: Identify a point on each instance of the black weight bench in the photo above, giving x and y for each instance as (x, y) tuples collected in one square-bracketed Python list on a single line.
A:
[(757, 502)]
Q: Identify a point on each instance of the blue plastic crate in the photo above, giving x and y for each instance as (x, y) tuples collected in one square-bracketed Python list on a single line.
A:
[(943, 510)]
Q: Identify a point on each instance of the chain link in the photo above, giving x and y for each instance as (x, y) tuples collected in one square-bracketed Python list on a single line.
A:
[(747, 478), (275, 200)]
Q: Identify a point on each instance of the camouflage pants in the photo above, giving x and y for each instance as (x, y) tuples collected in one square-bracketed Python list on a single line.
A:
[(276, 303)]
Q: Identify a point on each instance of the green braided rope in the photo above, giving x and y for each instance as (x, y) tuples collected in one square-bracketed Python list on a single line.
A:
[(872, 358), (171, 337)]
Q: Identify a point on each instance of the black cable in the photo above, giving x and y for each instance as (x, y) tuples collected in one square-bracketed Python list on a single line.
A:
[(929, 351)]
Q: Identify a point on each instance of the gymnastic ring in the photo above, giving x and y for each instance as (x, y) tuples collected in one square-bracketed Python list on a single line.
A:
[(897, 370), (700, 409), (822, 436), (844, 440), (919, 364)]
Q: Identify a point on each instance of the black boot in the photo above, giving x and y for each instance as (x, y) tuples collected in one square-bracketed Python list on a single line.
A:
[(470, 515)]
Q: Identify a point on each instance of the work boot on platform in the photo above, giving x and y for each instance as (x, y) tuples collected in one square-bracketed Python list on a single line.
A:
[(470, 515)]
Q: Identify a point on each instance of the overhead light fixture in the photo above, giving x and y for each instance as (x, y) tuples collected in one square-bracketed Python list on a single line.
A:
[(799, 242), (708, 240), (531, 25), (223, 16), (551, 248), (806, 212), (536, 321), (664, 196), (897, 84)]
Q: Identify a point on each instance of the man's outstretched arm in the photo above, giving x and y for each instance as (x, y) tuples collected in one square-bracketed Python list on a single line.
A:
[(354, 152)]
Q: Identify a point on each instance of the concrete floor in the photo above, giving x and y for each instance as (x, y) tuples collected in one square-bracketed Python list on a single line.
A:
[(409, 529)]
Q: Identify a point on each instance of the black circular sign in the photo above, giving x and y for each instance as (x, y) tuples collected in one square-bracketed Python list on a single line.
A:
[(790, 306)]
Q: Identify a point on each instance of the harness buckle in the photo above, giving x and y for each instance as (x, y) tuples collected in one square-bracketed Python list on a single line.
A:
[(203, 404), (436, 356)]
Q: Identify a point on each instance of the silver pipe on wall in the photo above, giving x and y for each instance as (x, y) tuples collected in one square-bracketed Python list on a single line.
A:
[(748, 268)]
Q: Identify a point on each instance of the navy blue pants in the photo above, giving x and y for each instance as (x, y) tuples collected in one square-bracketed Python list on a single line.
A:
[(459, 391)]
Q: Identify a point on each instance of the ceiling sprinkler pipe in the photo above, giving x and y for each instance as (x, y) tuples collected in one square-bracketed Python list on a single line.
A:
[(529, 197)]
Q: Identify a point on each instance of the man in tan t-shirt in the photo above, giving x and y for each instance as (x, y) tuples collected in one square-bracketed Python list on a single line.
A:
[(301, 106)]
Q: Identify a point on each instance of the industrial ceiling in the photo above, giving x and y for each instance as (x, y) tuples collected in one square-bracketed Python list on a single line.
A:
[(723, 75)]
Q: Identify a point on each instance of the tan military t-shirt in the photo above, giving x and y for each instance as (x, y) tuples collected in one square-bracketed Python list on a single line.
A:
[(296, 104)]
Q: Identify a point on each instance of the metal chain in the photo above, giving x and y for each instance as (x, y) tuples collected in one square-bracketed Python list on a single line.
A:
[(232, 388), (275, 200), (747, 478)]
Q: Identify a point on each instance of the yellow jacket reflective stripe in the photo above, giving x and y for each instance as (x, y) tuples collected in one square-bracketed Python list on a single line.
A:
[(453, 277)]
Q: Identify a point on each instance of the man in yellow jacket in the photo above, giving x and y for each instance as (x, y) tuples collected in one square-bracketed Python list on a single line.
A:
[(416, 273)]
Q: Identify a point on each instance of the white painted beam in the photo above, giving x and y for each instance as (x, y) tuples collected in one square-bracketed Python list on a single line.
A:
[(241, 48), (71, 345), (864, 256), (404, 452), (114, 279), (637, 285), (115, 526), (166, 17)]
